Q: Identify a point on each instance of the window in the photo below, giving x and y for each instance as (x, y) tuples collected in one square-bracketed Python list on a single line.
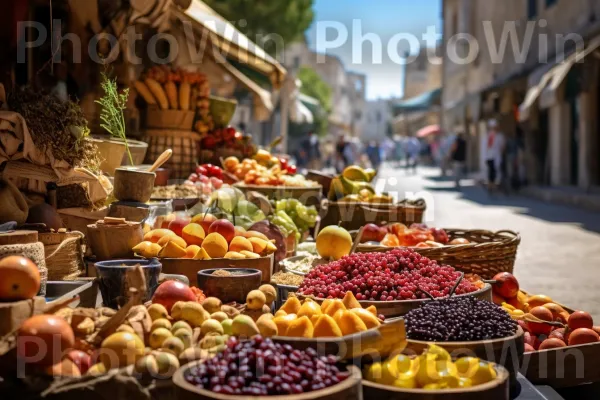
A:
[(532, 9), (550, 3)]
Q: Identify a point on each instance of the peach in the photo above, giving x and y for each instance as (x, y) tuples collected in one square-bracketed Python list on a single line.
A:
[(250, 254), (580, 319), (233, 255), (192, 251), (254, 234), (258, 245), (172, 238), (166, 220), (147, 249), (172, 250), (178, 224), (224, 228), (204, 220), (155, 235), (582, 336), (240, 230), (552, 343), (239, 244), (193, 234), (539, 328), (215, 245)]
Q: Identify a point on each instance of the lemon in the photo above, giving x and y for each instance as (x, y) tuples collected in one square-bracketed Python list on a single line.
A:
[(374, 373), (485, 373), (389, 372), (439, 353), (405, 382), (467, 366), (158, 337), (428, 372), (464, 383), (403, 363)]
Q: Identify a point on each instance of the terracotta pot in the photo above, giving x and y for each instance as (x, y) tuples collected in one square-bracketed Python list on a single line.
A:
[(111, 153), (133, 185)]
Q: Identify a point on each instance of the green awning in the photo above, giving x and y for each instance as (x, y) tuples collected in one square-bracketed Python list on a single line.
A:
[(422, 102)]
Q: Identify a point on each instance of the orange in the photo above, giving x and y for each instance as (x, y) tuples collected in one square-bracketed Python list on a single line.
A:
[(19, 279)]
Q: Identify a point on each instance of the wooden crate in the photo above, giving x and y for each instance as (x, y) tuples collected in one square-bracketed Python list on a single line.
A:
[(190, 268), (309, 196)]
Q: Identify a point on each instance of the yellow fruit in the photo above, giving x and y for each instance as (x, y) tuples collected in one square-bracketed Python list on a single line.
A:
[(334, 307), (176, 309), (167, 364), (186, 337), (181, 325), (244, 326), (172, 238), (147, 366), (405, 382), (372, 310), (211, 326), (350, 301), (350, 323), (202, 255), (158, 337), (161, 323), (121, 349), (438, 353), (147, 249), (300, 327), (97, 370), (369, 319), (484, 373), (219, 316), (404, 364), (259, 245), (212, 305), (194, 314), (155, 235), (227, 324), (334, 242), (250, 255), (280, 313), (389, 372), (255, 300), (308, 309), (432, 386), (215, 245), (172, 250), (373, 373), (538, 300), (325, 326), (239, 244), (326, 303), (291, 306), (283, 323), (157, 311), (467, 366), (173, 345), (269, 292), (267, 326), (232, 255)]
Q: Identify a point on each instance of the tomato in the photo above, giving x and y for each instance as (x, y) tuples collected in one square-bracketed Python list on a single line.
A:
[(284, 163), (292, 169), (208, 143)]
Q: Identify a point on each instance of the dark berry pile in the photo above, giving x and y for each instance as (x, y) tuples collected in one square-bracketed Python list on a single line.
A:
[(400, 274), (259, 367), (459, 319)]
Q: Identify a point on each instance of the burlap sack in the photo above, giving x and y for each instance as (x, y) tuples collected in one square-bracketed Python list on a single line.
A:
[(13, 206)]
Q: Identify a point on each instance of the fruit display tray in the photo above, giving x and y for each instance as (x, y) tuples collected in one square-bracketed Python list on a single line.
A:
[(399, 308), (309, 196), (565, 367)]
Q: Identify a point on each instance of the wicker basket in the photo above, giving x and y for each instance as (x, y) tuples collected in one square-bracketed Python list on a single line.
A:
[(170, 119), (185, 150), (354, 216), (487, 254), (64, 255)]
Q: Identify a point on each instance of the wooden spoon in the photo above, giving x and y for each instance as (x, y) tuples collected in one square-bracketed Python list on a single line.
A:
[(163, 158)]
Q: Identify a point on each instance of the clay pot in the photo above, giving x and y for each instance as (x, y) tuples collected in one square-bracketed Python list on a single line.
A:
[(133, 185)]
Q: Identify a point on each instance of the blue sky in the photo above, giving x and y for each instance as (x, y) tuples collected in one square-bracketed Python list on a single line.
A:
[(384, 18)]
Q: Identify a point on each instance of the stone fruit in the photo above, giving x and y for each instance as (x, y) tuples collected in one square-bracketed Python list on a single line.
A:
[(239, 244), (255, 300), (334, 307), (170, 292), (582, 336), (191, 251), (506, 285), (157, 311), (212, 304), (167, 364), (211, 326), (372, 310), (326, 327), (266, 326), (538, 300), (291, 306), (269, 292), (538, 328), (232, 255), (350, 301), (369, 319), (158, 337), (178, 224), (82, 360), (204, 220), (147, 366), (161, 323), (308, 309), (300, 327), (147, 249), (19, 279), (283, 323), (64, 368), (215, 245), (165, 221), (552, 343), (580, 319), (224, 228), (194, 314), (121, 349), (373, 233), (219, 316), (349, 323), (254, 234), (193, 234), (172, 238), (227, 324), (596, 329), (555, 309), (244, 326), (155, 235), (202, 255), (259, 245), (334, 242), (174, 345), (43, 339), (172, 250)]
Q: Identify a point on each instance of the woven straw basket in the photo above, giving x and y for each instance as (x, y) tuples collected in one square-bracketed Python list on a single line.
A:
[(488, 253)]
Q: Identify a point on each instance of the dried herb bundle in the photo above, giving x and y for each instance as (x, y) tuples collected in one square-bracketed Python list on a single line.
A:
[(57, 126)]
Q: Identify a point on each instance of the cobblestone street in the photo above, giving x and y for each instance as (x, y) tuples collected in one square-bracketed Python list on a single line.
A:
[(559, 253)]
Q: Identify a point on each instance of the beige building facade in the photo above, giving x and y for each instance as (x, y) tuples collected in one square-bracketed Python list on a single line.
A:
[(546, 106)]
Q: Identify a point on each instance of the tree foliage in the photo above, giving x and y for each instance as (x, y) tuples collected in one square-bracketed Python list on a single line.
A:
[(288, 19), (314, 86)]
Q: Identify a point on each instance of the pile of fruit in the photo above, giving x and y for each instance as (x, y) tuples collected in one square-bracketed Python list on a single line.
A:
[(432, 370), (225, 142), (206, 178), (265, 169), (203, 237), (303, 217), (354, 185), (400, 274), (547, 325), (417, 235), (332, 318), (459, 319), (260, 367)]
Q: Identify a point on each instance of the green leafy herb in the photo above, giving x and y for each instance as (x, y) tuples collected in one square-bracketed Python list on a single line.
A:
[(112, 115)]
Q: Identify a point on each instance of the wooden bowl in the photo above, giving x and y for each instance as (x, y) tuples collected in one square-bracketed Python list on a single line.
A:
[(494, 390), (232, 288), (399, 308), (133, 185), (350, 388)]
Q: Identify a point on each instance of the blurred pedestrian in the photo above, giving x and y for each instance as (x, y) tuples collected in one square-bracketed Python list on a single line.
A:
[(341, 152), (374, 154), (459, 157), (413, 151), (312, 147), (494, 155)]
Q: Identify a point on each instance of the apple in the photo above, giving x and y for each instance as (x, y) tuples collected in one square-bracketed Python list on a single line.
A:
[(167, 220), (82, 360), (506, 285), (373, 233), (224, 228), (178, 224), (440, 235), (170, 292), (204, 220)]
